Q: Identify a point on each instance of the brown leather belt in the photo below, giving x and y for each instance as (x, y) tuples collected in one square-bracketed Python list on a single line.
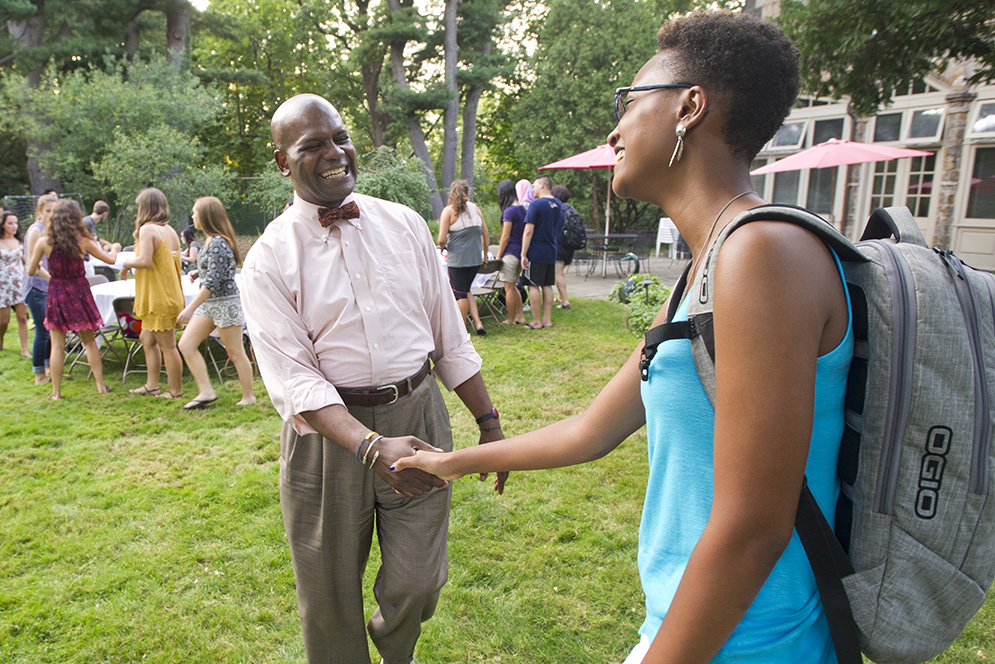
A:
[(385, 394)]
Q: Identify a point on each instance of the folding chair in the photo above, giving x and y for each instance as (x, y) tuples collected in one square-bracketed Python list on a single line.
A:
[(105, 271), (228, 368), (489, 304), (129, 328), (105, 336)]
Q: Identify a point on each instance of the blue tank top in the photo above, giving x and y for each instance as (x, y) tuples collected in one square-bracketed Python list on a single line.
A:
[(785, 624)]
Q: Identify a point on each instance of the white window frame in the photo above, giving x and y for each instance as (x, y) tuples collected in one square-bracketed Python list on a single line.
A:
[(792, 147), (976, 115), (910, 116)]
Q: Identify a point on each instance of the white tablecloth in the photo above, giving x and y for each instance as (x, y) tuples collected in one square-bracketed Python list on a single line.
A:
[(105, 294)]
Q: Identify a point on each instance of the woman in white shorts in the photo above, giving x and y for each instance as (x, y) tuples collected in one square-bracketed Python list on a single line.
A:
[(217, 304)]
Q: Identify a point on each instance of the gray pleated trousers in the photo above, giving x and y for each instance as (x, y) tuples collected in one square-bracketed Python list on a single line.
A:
[(331, 504)]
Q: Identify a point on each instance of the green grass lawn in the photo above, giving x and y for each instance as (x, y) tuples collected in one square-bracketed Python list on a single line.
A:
[(131, 530)]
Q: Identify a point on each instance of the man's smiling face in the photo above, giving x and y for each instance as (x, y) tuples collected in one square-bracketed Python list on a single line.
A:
[(314, 149)]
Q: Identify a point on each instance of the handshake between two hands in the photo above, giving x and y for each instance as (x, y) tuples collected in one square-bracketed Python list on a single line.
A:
[(413, 467)]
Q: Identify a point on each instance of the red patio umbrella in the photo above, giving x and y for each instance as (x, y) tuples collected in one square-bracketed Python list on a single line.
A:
[(835, 152), (602, 156)]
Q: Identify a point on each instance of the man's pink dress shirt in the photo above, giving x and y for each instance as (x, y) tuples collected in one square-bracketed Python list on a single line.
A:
[(360, 303)]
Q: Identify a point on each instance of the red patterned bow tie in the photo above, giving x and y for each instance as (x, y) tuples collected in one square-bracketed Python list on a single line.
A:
[(328, 216)]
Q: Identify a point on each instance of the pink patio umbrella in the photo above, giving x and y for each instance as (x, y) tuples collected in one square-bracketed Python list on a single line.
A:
[(602, 156), (835, 152)]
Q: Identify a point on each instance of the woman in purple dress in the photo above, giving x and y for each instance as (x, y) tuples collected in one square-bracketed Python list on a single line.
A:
[(70, 305)]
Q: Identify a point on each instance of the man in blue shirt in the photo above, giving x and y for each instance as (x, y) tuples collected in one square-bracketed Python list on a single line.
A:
[(543, 227)]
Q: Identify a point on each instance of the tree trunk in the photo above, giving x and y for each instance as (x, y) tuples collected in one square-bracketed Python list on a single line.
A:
[(131, 42), (370, 73), (177, 23), (450, 117), (415, 132), (469, 140), (31, 34)]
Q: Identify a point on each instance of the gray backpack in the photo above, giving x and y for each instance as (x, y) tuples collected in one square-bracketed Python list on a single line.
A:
[(913, 553)]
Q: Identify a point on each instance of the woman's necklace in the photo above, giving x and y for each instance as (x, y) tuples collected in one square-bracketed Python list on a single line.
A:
[(704, 244)]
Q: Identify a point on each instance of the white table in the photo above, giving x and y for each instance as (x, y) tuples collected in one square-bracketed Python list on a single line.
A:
[(105, 294)]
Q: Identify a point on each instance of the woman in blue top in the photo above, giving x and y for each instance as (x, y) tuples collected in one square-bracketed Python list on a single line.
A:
[(510, 249), (725, 579)]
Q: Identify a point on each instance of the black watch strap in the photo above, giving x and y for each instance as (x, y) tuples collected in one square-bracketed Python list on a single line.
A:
[(493, 415)]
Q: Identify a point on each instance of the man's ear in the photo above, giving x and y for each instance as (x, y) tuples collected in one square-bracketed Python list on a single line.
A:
[(281, 163)]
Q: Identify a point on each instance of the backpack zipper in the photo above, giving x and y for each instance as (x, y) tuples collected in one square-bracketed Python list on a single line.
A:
[(902, 363), (982, 421)]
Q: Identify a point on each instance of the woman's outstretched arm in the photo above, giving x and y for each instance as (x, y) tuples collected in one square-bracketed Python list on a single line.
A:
[(616, 413)]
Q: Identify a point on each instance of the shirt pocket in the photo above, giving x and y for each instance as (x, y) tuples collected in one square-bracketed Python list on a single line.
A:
[(401, 276)]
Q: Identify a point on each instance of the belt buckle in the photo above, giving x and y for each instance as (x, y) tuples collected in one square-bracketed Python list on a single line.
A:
[(397, 393)]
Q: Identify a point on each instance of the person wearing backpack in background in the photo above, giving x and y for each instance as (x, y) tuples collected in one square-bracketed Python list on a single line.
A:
[(571, 240), (725, 579)]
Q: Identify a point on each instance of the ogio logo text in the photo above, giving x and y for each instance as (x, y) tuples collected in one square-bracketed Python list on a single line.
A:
[(931, 471)]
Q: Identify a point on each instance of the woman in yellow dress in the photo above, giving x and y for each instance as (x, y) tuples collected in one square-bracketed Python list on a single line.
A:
[(158, 293)]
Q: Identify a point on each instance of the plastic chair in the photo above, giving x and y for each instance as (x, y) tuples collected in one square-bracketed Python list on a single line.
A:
[(667, 234)]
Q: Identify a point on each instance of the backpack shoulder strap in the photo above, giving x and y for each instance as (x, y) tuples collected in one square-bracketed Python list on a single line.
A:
[(702, 295)]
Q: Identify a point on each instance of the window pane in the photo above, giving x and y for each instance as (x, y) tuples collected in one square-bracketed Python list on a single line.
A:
[(883, 184), (826, 129), (758, 180), (821, 187), (921, 174), (985, 124), (786, 188), (888, 127), (791, 134), (926, 124), (981, 201)]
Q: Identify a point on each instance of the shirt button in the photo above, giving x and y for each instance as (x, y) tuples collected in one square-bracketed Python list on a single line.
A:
[(347, 243), (358, 275), (376, 346), (369, 308)]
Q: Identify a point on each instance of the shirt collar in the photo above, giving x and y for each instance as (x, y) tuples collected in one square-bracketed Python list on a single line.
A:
[(307, 212)]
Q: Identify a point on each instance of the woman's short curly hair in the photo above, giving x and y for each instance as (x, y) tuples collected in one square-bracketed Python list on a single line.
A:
[(746, 62)]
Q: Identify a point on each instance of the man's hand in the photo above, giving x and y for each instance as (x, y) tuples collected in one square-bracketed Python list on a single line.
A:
[(412, 481), (489, 437)]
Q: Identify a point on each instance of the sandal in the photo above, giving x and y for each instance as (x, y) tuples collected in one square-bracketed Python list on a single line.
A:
[(145, 390), (169, 394)]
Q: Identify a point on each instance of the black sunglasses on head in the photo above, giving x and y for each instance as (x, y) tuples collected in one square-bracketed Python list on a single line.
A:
[(620, 93)]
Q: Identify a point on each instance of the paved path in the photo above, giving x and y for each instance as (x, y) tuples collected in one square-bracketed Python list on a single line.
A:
[(594, 286)]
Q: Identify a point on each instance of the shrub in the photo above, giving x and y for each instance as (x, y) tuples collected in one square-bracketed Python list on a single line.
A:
[(388, 174), (643, 295)]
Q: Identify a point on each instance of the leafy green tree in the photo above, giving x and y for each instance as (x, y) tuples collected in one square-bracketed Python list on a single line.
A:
[(562, 103), (867, 50), (269, 191), (77, 34), (386, 173), (178, 169), (82, 115), (254, 55), (92, 119)]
